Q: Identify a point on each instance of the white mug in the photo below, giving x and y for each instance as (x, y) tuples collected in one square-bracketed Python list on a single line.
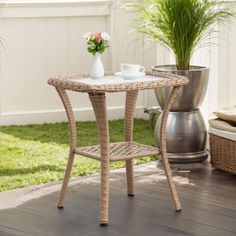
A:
[(131, 69)]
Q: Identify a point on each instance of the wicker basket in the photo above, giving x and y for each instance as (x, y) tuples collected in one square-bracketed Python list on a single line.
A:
[(223, 153)]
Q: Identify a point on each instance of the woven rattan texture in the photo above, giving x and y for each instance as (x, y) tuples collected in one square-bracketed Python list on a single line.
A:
[(223, 153), (119, 151), (106, 152), (98, 102), (164, 80), (130, 102)]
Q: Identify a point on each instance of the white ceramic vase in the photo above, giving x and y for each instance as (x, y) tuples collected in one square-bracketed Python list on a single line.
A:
[(96, 67)]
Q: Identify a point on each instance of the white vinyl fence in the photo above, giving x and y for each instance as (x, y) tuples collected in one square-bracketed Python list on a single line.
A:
[(44, 39)]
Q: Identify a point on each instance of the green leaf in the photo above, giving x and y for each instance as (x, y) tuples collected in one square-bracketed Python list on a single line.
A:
[(102, 50), (91, 45), (180, 25)]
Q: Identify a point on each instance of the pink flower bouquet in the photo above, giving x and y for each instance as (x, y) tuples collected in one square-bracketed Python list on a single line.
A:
[(97, 42)]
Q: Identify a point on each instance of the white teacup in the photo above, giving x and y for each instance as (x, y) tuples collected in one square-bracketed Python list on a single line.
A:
[(131, 69)]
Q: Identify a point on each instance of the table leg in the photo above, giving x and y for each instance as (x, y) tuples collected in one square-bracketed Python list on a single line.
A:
[(66, 102), (169, 176), (99, 106), (131, 98)]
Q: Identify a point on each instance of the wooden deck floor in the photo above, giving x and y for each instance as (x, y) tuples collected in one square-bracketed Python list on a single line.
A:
[(208, 198)]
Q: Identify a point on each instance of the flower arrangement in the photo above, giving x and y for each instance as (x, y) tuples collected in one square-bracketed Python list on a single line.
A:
[(97, 42)]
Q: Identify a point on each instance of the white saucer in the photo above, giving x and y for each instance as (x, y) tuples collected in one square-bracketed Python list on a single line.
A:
[(140, 74)]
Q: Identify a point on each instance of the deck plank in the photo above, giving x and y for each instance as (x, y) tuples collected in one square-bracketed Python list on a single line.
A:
[(208, 198)]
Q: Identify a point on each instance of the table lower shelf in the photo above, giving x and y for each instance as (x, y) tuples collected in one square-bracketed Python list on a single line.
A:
[(119, 151)]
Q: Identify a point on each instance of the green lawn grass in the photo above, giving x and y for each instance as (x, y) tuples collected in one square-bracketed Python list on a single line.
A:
[(35, 154)]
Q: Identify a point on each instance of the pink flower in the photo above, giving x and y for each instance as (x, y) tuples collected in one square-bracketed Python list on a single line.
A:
[(98, 37)]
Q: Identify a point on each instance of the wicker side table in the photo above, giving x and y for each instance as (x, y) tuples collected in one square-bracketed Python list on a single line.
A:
[(127, 150)]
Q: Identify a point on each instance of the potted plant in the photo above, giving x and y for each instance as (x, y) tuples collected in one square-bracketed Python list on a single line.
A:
[(182, 25)]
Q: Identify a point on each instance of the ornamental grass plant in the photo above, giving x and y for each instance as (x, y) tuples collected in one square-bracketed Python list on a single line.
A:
[(181, 25)]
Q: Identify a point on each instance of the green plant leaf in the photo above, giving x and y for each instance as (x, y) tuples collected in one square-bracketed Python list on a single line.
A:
[(180, 25), (91, 45)]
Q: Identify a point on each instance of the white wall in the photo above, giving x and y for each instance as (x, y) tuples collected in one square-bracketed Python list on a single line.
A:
[(227, 64), (44, 39)]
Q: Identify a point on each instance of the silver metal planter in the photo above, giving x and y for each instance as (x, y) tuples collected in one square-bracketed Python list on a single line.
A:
[(186, 136), (190, 96), (186, 130)]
